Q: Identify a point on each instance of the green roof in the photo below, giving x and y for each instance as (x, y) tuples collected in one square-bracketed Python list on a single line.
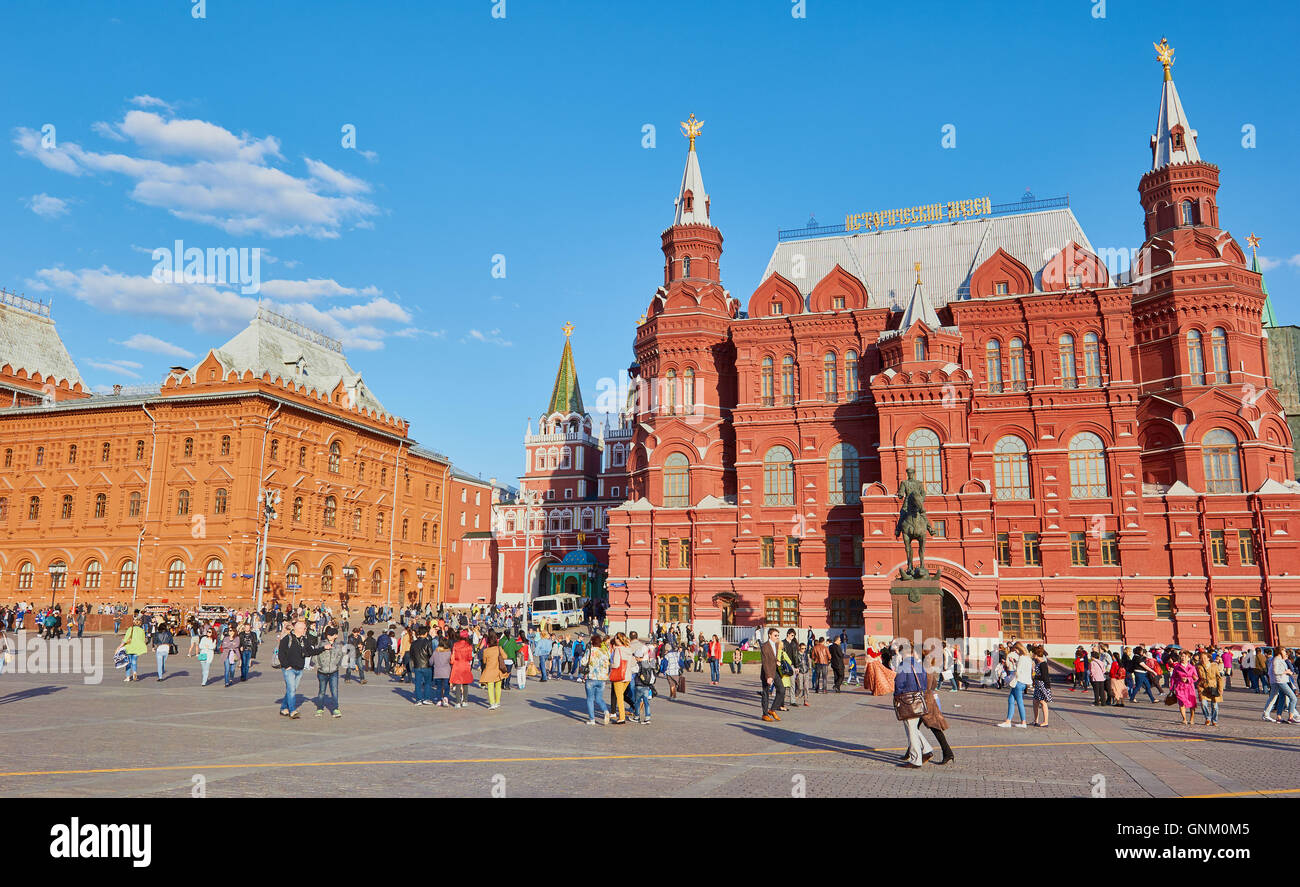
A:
[(1269, 318), (566, 397)]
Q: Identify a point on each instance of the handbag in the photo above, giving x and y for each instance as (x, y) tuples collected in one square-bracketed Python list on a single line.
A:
[(172, 649), (933, 717), (912, 704), (681, 683), (203, 656), (1210, 692), (1171, 699)]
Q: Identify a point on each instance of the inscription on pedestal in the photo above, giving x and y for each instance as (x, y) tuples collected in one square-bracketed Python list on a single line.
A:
[(917, 608)]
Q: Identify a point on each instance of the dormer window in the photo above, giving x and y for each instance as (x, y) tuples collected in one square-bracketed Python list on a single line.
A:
[(1000, 289), (920, 349), (838, 303), (1074, 281), (1178, 139), (776, 309), (688, 201)]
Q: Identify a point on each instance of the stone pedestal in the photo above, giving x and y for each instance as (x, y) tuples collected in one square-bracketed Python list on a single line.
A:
[(917, 608)]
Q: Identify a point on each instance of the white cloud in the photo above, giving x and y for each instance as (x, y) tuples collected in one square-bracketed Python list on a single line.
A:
[(117, 367), (47, 207), (213, 176), (148, 101), (491, 337), (412, 332), (155, 345), (372, 156), (312, 288)]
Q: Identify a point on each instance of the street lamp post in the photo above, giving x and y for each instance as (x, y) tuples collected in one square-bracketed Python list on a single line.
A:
[(529, 498), (270, 500), (420, 573), (57, 571)]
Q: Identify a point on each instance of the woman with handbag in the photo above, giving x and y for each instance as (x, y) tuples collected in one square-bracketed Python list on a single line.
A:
[(163, 642), (494, 669), (462, 673), (620, 664), (909, 704), (1020, 671), (1042, 686), (1210, 684), (230, 654), (207, 647)]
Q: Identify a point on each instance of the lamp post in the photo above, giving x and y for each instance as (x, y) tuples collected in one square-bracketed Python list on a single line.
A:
[(420, 573), (58, 570), (349, 576), (270, 500), (529, 498)]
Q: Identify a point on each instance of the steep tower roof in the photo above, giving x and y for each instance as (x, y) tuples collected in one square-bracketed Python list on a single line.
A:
[(566, 397), (1268, 318), (918, 307), (29, 341), (692, 201), (1174, 140)]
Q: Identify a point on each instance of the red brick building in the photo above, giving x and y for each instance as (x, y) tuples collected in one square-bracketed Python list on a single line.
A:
[(1105, 459)]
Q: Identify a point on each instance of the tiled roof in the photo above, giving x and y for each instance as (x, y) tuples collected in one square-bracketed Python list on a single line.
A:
[(29, 341), (566, 397), (884, 260)]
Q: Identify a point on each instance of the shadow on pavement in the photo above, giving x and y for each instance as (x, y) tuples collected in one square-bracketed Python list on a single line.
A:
[(31, 693)]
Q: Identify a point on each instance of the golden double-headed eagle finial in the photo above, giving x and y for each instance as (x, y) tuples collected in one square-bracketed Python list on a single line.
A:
[(567, 329), (1165, 54), (691, 128)]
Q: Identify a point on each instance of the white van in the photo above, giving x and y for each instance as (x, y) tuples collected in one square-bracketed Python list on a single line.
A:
[(563, 610)]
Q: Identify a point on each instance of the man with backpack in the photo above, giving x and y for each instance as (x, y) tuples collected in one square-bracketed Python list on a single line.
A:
[(647, 672)]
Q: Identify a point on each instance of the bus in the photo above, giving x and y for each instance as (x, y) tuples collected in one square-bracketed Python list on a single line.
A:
[(561, 610)]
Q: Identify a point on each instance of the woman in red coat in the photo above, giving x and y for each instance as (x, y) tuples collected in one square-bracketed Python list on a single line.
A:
[(462, 675)]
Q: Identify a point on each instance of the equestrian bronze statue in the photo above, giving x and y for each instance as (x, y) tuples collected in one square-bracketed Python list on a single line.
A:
[(913, 525)]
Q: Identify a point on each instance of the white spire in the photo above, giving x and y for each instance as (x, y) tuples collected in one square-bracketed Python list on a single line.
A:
[(1175, 140), (692, 201), (919, 307)]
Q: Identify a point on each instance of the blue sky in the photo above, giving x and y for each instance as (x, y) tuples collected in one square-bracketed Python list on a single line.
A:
[(522, 137)]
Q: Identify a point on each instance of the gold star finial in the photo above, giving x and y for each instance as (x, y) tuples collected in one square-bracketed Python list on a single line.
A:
[(918, 272), (1165, 53), (1253, 241), (568, 330), (691, 128)]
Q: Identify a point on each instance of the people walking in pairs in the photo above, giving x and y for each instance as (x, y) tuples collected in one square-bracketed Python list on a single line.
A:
[(1210, 683), (494, 669), (772, 689), (1019, 674), (462, 673), (1182, 683)]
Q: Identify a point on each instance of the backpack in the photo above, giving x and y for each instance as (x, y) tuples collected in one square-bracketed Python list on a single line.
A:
[(646, 675)]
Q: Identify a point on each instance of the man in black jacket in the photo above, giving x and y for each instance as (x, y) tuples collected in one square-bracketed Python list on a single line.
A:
[(295, 649), (247, 649), (421, 658), (770, 675), (837, 664)]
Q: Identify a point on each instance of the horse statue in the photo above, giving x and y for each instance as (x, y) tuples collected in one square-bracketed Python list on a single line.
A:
[(913, 525)]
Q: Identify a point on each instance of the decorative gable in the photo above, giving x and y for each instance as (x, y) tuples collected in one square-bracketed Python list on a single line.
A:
[(1001, 274)]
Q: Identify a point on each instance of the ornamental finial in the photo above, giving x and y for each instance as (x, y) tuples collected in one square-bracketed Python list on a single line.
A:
[(568, 330), (1253, 241), (918, 272), (691, 128), (1165, 53)]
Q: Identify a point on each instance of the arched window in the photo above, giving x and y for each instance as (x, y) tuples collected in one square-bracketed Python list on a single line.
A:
[(126, 575), (187, 448), (297, 509), (176, 574), (566, 520), (336, 457), (1088, 467), (25, 575), (361, 470), (778, 477), (133, 505), (94, 575), (553, 458), (1195, 358), (9, 458), (4, 508), (1011, 468), (379, 524), (541, 459), (219, 503), (1219, 348), (566, 457), (58, 575), (620, 455), (139, 450), (677, 482), (356, 521), (768, 391), (65, 512), (291, 576), (72, 454), (671, 393), (1188, 213), (302, 457), (40, 455), (831, 376), (275, 450), (183, 502), (331, 509), (850, 375), (405, 524), (101, 505), (923, 456), (34, 508), (588, 519), (327, 580), (225, 444), (842, 487), (919, 350), (401, 582), (1091, 360), (376, 580), (106, 452), (993, 365), (1016, 363), (787, 380), (688, 389), (212, 575), (1222, 461), (1069, 378)]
